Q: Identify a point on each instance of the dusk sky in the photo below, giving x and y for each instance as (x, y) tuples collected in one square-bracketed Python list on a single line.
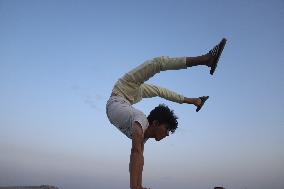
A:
[(60, 59)]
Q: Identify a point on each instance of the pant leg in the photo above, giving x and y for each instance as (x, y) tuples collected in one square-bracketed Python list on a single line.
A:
[(149, 68), (149, 91)]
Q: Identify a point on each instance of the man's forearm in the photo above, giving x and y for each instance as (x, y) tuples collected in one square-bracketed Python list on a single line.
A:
[(136, 167)]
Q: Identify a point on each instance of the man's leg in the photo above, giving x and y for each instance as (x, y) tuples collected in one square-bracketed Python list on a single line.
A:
[(149, 68), (198, 102), (194, 101), (199, 60), (210, 59)]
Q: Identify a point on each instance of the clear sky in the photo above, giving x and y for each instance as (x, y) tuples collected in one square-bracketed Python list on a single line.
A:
[(60, 59)]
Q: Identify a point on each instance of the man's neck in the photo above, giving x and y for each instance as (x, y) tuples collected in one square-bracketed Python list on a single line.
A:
[(149, 133)]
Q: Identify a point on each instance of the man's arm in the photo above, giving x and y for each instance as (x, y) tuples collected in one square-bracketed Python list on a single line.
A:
[(142, 165), (136, 157)]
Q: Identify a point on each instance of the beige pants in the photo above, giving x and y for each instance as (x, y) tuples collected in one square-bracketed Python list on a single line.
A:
[(132, 87)]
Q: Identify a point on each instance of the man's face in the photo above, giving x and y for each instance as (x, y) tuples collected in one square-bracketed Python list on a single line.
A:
[(161, 132)]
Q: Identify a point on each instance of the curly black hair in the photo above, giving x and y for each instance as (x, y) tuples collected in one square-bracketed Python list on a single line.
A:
[(164, 115)]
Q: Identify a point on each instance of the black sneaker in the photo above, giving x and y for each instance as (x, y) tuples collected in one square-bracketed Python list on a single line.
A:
[(216, 53), (203, 99)]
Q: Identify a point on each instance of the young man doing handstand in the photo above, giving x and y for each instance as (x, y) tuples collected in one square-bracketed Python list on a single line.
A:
[(131, 88)]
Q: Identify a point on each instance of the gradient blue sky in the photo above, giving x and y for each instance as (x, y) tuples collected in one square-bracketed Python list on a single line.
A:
[(60, 59)]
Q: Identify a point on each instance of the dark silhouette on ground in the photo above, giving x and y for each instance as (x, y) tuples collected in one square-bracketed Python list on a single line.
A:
[(29, 187)]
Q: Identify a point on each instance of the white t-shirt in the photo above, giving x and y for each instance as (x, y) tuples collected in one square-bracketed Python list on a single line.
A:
[(123, 115)]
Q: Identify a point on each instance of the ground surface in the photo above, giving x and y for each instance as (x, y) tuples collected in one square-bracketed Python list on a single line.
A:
[(29, 187)]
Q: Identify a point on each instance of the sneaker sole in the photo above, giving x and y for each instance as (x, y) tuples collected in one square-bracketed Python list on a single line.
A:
[(222, 45)]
